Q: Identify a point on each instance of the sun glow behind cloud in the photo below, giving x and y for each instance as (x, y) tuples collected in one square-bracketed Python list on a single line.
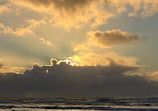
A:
[(70, 62)]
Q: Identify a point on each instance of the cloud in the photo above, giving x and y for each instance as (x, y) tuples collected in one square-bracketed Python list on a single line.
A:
[(81, 47), (61, 4), (3, 9), (64, 80), (142, 8), (106, 39), (153, 76), (70, 14), (46, 42), (11, 69), (86, 54), (110, 38), (150, 76), (91, 59), (21, 32)]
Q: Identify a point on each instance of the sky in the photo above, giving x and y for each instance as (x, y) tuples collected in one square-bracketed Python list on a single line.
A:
[(118, 35)]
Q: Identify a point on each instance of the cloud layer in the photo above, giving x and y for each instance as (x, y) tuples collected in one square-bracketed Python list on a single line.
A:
[(70, 81), (70, 14)]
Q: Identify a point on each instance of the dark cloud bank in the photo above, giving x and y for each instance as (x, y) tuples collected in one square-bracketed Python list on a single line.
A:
[(73, 81)]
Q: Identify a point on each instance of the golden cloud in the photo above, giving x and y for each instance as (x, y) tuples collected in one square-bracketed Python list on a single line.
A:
[(81, 47), (148, 75), (152, 76), (3, 9), (21, 31), (85, 51), (143, 8), (77, 13), (11, 69), (46, 42), (91, 59), (69, 13)]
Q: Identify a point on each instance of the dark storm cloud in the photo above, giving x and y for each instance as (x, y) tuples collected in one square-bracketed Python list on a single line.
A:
[(68, 81)]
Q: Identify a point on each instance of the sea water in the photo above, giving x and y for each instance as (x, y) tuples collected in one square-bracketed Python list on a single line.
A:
[(79, 104)]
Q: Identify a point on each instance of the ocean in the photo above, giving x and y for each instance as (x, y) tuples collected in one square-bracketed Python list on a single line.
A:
[(79, 104)]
